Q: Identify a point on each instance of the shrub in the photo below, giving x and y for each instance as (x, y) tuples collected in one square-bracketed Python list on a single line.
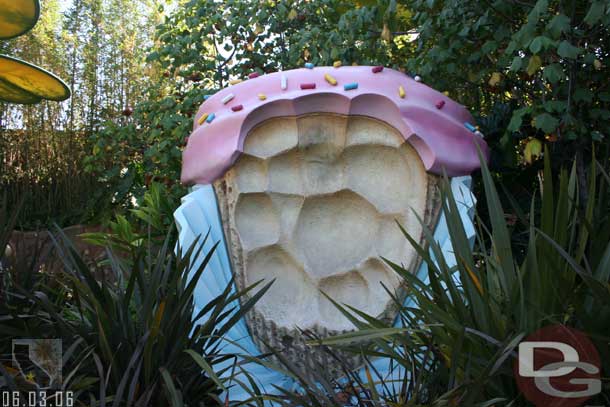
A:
[(133, 339), (45, 170)]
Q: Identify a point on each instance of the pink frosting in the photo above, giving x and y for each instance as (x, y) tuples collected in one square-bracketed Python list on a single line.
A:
[(437, 134)]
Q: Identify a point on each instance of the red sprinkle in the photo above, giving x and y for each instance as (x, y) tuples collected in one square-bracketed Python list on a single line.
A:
[(377, 69), (308, 86), (440, 104), (186, 139), (237, 108), (254, 75)]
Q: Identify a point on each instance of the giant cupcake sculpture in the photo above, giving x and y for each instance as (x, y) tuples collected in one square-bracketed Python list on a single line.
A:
[(302, 176)]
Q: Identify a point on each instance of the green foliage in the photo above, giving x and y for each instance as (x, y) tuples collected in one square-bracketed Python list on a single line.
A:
[(135, 337), (148, 223), (45, 174), (151, 345), (99, 48), (552, 57)]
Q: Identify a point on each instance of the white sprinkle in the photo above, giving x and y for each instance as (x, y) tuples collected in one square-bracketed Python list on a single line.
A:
[(228, 98), (417, 78), (478, 133), (284, 82)]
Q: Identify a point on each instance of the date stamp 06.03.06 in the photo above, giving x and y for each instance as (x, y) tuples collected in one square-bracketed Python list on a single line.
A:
[(36, 398)]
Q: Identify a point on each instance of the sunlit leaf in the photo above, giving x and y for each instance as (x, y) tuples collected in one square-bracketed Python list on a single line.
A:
[(386, 35), (495, 79), (533, 65), (533, 149), (17, 17)]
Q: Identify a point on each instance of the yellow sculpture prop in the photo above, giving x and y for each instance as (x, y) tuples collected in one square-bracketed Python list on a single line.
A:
[(20, 81), (17, 17)]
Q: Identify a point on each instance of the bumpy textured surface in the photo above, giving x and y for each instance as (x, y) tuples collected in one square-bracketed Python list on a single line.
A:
[(313, 203), (437, 134)]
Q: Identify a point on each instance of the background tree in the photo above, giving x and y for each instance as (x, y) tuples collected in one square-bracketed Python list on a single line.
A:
[(99, 48)]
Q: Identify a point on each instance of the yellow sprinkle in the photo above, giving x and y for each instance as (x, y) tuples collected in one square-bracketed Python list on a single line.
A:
[(330, 79), (355, 64), (337, 64), (202, 118), (234, 81), (401, 92), (446, 93), (262, 96)]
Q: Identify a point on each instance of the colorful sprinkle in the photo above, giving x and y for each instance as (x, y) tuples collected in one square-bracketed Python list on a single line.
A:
[(309, 65), (234, 81), (478, 133), (417, 78), (401, 92), (446, 93), (308, 86), (237, 108), (350, 86), (337, 64), (228, 98), (440, 104), (377, 69), (202, 118), (254, 75), (330, 79), (186, 140), (206, 97), (284, 82), (211, 118), (262, 96), (470, 127)]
